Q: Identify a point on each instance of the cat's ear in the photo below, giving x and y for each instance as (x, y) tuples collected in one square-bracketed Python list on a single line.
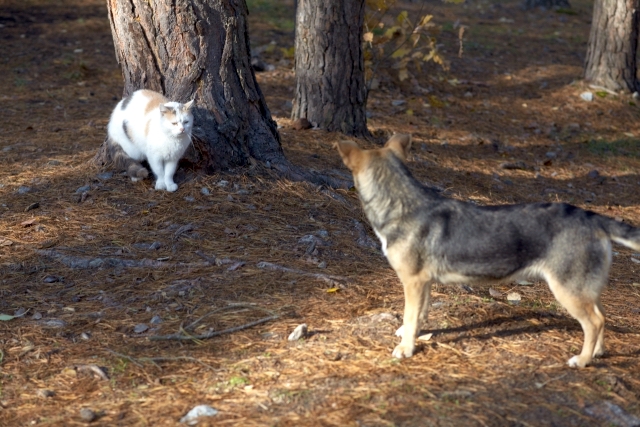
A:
[(165, 109), (188, 105)]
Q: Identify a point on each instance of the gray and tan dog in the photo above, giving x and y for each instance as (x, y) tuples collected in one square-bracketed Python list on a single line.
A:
[(429, 238)]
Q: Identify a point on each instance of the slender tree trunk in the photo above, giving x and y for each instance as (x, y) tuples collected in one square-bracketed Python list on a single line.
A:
[(199, 49), (613, 42), (330, 89)]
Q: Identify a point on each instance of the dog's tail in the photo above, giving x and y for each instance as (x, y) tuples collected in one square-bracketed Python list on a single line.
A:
[(621, 233)]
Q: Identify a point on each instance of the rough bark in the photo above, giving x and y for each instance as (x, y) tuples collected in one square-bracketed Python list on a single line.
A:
[(330, 88), (547, 4), (613, 42), (199, 49)]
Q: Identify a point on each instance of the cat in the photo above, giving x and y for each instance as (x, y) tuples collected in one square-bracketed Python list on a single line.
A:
[(147, 126)]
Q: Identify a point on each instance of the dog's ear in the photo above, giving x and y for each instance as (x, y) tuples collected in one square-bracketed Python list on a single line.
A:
[(399, 144), (350, 153)]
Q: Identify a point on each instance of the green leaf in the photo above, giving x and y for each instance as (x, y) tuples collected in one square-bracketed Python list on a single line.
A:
[(6, 317), (602, 94)]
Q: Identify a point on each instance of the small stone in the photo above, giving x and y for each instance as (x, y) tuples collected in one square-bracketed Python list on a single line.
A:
[(593, 174), (140, 328), (155, 246), (299, 332), (54, 323), (85, 336), (87, 415), (494, 293), (425, 337), (551, 154), (23, 189), (155, 320), (192, 416), (301, 124), (19, 312), (398, 102), (322, 264), (587, 96), (37, 315), (52, 279), (205, 191), (466, 288), (383, 317), (514, 298), (105, 175), (190, 199), (83, 189), (44, 393)]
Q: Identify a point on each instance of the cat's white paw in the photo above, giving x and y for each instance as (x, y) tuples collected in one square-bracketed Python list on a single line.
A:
[(401, 351), (160, 185), (400, 331), (172, 187)]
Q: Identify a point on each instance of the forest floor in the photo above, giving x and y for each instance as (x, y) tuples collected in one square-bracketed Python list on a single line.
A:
[(93, 266)]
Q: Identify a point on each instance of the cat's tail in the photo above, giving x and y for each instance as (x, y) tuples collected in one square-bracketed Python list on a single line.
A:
[(122, 161)]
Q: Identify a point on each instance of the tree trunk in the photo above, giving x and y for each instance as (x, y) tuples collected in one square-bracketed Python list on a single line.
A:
[(188, 49), (613, 41), (547, 4), (330, 89)]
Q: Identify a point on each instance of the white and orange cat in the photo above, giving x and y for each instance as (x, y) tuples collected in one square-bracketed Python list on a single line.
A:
[(150, 127)]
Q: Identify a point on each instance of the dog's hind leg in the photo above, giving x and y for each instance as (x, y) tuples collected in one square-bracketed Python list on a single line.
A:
[(584, 308), (599, 350)]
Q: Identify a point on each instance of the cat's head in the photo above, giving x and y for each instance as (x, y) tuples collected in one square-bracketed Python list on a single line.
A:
[(177, 118)]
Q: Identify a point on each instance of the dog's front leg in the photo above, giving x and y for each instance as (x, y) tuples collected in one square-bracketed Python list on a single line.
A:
[(424, 311), (415, 295)]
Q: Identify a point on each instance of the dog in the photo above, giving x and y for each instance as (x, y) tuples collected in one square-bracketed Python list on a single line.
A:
[(428, 238)]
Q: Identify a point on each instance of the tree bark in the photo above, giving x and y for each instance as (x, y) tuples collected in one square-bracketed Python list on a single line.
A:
[(613, 42), (329, 65), (188, 49)]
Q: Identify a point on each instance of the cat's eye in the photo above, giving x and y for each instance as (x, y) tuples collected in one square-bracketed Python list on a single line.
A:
[(174, 123), (186, 122)]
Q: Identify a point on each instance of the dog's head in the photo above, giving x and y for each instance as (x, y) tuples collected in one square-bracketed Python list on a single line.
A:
[(357, 159)]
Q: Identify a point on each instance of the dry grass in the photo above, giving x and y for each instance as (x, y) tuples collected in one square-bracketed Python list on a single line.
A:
[(488, 363)]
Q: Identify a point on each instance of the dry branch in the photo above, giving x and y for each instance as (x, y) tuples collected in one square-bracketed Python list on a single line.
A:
[(84, 262), (333, 280), (183, 333), (154, 360)]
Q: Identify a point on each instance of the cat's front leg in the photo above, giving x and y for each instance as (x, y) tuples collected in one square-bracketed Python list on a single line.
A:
[(169, 170), (157, 166)]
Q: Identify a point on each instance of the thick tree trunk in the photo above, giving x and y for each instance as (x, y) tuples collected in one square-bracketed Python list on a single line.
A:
[(330, 89), (199, 49), (611, 52), (547, 4)]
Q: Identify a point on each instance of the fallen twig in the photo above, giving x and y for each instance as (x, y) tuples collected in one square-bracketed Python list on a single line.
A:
[(183, 333), (333, 280), (85, 262), (154, 360)]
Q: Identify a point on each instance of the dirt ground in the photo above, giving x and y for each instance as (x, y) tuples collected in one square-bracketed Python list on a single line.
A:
[(96, 267)]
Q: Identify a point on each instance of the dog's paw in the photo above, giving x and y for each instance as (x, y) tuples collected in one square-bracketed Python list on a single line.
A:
[(400, 331), (172, 187), (402, 351), (575, 362), (160, 185)]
